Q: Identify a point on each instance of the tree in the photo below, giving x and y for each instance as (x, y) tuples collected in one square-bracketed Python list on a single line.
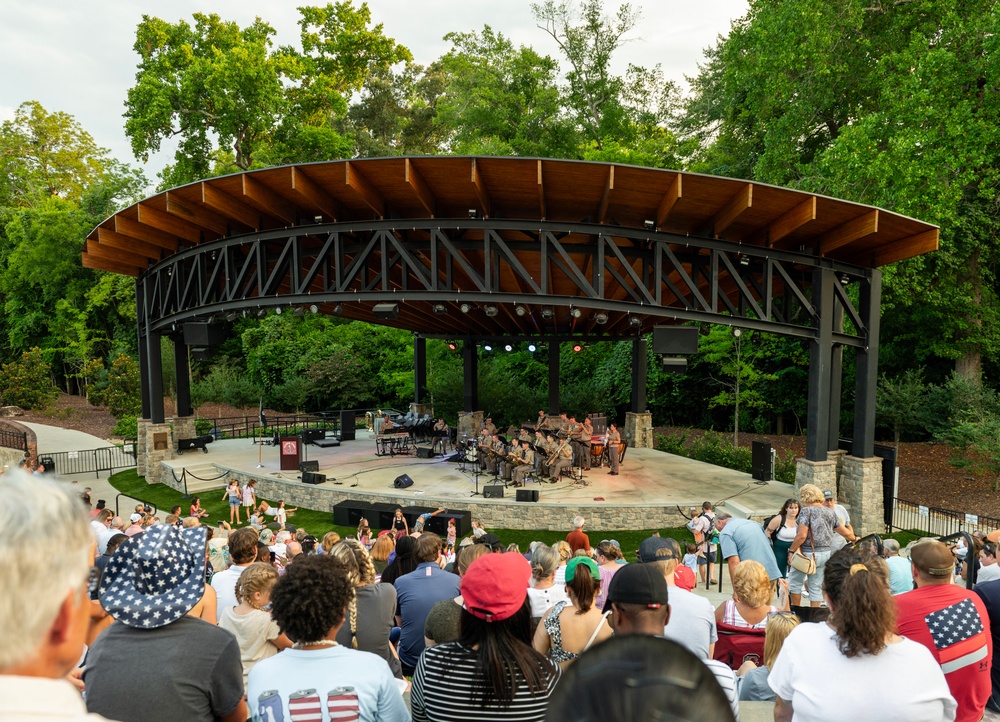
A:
[(735, 353), (899, 402), (27, 382)]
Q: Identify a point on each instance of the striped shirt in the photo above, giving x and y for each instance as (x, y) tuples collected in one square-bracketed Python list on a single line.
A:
[(442, 690)]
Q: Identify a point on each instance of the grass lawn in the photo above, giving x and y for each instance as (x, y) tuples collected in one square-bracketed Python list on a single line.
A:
[(319, 523)]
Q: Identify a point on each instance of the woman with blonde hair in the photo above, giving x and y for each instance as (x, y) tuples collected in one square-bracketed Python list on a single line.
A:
[(544, 593), (854, 665), (381, 550), (257, 634), (751, 680), (370, 614), (329, 539), (816, 526), (752, 595), (364, 533), (565, 552)]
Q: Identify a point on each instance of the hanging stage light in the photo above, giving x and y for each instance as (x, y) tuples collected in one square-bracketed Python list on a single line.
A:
[(577, 348), (487, 347), (508, 347), (532, 347)]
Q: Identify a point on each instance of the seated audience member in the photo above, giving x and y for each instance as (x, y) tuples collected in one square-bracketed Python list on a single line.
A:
[(149, 586), (752, 595), (255, 631), (381, 550), (371, 614), (570, 628), (491, 672), (752, 680), (404, 562), (637, 677), (565, 554), (416, 593), (900, 569), (243, 552), (929, 613), (44, 580), (444, 621), (855, 666), (544, 593), (989, 570), (317, 678)]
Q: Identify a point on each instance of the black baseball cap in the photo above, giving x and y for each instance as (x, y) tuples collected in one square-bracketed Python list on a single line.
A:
[(637, 584)]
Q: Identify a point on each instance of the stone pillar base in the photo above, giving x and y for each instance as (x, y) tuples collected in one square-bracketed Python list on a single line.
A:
[(861, 492), (421, 409), (638, 430), (184, 428), (159, 446), (469, 423), (821, 473), (837, 455), (140, 446)]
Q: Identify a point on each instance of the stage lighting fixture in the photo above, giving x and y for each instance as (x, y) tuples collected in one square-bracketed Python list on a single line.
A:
[(318, 218), (744, 260), (635, 321), (278, 311), (465, 307), (440, 308), (737, 332), (473, 213), (382, 311), (491, 311), (299, 310), (452, 346), (338, 309), (601, 318), (313, 308), (261, 312), (508, 347), (532, 347), (232, 315), (650, 225), (520, 310), (487, 347), (575, 312), (577, 348), (844, 280), (548, 312)]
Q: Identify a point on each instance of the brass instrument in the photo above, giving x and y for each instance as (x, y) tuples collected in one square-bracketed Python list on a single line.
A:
[(555, 454)]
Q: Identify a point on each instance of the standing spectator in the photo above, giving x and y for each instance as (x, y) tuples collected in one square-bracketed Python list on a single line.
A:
[(234, 495), (577, 539), (781, 530), (855, 666), (249, 498), (416, 593), (703, 526), (900, 569), (744, 539), (989, 570), (317, 678), (830, 502), (149, 586), (817, 526), (952, 623), (43, 588), (491, 673), (243, 553), (989, 592)]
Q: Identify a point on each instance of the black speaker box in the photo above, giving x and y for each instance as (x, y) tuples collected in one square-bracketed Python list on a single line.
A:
[(527, 494), (425, 452), (204, 334), (439, 524), (402, 481), (350, 513), (494, 491), (675, 340), (347, 430), (305, 466), (309, 477)]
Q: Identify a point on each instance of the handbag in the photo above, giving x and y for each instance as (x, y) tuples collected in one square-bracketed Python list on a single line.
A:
[(800, 562)]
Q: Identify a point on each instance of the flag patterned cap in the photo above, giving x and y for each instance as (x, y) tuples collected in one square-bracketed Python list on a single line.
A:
[(155, 578)]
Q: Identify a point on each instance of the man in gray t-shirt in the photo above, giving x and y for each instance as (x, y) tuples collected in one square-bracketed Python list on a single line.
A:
[(743, 539), (830, 502)]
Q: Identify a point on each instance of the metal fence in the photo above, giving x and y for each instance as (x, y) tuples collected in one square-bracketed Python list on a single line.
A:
[(248, 427), (13, 439), (935, 521), (91, 461)]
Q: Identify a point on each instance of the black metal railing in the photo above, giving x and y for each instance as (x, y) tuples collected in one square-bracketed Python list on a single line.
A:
[(91, 461), (13, 439), (249, 427), (935, 521)]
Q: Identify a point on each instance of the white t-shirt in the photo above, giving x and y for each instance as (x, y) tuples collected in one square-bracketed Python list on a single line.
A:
[(255, 633), (692, 621), (543, 600), (844, 518), (988, 574), (318, 681), (224, 584), (902, 683)]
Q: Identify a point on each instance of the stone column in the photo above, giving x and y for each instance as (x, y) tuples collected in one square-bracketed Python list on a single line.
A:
[(821, 473), (142, 431), (421, 409), (159, 447), (836, 455), (469, 423), (184, 428), (639, 429), (861, 491)]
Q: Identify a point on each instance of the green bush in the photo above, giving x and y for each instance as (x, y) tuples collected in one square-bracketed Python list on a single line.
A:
[(716, 449), (27, 383), (127, 427)]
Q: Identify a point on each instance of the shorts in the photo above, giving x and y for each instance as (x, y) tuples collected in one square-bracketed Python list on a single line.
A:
[(796, 579), (233, 501)]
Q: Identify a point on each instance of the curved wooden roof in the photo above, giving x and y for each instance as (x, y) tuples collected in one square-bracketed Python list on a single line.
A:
[(614, 195)]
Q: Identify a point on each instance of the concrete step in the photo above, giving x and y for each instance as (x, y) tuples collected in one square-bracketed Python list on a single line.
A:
[(201, 477)]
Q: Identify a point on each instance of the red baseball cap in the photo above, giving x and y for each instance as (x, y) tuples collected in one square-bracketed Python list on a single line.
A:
[(495, 586)]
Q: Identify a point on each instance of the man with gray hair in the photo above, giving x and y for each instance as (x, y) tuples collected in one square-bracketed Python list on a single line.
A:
[(900, 569), (744, 539), (43, 596), (577, 539)]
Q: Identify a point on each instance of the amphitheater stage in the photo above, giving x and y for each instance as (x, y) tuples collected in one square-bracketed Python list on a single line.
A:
[(653, 490)]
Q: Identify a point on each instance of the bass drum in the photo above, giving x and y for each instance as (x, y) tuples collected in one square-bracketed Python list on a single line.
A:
[(472, 451)]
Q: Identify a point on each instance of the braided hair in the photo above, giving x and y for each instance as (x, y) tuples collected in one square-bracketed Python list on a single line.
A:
[(258, 577), (360, 571)]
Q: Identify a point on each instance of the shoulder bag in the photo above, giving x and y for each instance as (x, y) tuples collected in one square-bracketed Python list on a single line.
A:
[(800, 562)]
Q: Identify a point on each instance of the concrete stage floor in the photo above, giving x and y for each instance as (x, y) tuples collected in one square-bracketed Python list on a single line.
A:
[(654, 489)]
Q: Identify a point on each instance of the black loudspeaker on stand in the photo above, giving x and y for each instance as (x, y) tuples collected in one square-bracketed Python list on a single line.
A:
[(493, 491), (402, 481)]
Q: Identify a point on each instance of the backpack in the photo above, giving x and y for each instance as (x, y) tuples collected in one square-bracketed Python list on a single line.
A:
[(699, 535), (767, 522)]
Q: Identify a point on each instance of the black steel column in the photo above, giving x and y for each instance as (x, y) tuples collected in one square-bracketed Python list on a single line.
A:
[(143, 368), (419, 369), (154, 363), (866, 379), (470, 358), (820, 350), (554, 378), (836, 379), (639, 375), (182, 370)]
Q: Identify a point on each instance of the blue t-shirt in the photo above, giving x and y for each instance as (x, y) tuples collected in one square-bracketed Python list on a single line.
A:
[(416, 593), (745, 539), (900, 575), (324, 684)]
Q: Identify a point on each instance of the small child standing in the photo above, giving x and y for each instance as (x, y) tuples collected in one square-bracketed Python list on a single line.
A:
[(691, 558), (452, 535)]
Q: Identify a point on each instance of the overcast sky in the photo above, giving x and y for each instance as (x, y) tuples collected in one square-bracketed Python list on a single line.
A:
[(76, 56)]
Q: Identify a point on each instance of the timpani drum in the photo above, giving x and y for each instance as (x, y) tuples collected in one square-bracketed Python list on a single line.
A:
[(597, 453)]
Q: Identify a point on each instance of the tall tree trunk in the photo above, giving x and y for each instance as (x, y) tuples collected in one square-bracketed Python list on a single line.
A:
[(971, 364)]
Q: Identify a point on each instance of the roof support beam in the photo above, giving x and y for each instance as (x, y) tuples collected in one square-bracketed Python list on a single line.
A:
[(184, 230), (670, 199), (116, 240), (134, 229), (230, 207), (365, 190), (416, 182), (737, 205), (308, 189), (267, 200), (198, 216), (609, 186), (849, 232), (541, 193), (480, 186), (793, 220)]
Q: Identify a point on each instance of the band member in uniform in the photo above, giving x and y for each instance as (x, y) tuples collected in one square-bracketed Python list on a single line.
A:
[(541, 454), (543, 421), (489, 426), (527, 459), (440, 433), (574, 431), (562, 458), (586, 439), (614, 444), (387, 425), (507, 464)]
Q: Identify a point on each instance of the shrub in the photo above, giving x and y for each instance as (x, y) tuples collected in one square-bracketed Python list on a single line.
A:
[(716, 449), (27, 383), (127, 427)]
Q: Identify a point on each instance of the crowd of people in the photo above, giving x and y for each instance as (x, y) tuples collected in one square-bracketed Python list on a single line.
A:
[(404, 624)]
